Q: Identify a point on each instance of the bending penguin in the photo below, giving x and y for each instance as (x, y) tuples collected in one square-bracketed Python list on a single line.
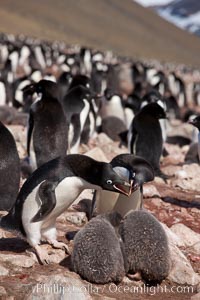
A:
[(132, 169), (97, 255), (9, 169), (50, 190), (47, 131)]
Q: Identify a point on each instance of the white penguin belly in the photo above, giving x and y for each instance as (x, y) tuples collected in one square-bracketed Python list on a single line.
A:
[(125, 205), (105, 201), (66, 192)]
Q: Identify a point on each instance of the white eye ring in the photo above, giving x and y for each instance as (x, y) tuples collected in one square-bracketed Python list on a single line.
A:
[(109, 181), (133, 175)]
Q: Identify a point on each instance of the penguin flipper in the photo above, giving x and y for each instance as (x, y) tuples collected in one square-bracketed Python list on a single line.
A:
[(133, 139), (30, 129), (48, 198)]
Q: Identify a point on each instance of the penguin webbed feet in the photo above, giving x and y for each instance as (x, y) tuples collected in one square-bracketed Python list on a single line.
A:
[(42, 255), (160, 174), (59, 245)]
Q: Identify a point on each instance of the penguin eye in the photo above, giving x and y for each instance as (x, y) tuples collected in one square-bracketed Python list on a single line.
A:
[(109, 181)]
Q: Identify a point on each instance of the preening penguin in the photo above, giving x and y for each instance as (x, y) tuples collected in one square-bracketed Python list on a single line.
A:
[(145, 136), (9, 169), (50, 190), (132, 169), (145, 246), (97, 255), (47, 125)]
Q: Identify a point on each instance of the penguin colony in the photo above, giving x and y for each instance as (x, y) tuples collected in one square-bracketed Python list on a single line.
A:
[(64, 96)]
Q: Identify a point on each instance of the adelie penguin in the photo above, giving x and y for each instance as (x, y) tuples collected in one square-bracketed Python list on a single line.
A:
[(97, 255), (50, 190), (132, 169), (146, 247), (9, 169), (47, 131), (76, 105), (196, 122), (145, 136)]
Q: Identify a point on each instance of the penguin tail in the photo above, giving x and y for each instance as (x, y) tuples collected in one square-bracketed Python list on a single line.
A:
[(7, 223)]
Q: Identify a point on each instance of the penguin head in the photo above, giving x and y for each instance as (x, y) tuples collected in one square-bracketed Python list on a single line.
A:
[(195, 121), (44, 87), (108, 93), (134, 169), (81, 92), (111, 181), (154, 97), (154, 110), (80, 80)]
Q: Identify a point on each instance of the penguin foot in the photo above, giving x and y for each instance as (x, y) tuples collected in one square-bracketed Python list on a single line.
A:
[(59, 245), (42, 255), (137, 276)]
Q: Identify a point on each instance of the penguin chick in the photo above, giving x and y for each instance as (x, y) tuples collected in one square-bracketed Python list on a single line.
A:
[(132, 169), (196, 123), (47, 125), (9, 169), (50, 190), (145, 246), (97, 255), (145, 136)]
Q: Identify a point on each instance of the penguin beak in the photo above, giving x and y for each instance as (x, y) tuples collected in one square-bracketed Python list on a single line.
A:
[(134, 186), (124, 188)]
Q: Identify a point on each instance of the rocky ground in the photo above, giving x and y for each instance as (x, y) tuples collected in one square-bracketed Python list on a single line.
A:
[(175, 203)]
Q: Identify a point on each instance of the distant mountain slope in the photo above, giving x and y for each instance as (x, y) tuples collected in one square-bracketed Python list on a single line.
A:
[(120, 25)]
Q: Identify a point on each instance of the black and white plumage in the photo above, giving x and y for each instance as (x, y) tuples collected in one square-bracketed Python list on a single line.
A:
[(145, 135), (48, 127), (145, 246), (9, 169), (196, 123), (134, 170), (97, 255), (50, 190), (76, 105)]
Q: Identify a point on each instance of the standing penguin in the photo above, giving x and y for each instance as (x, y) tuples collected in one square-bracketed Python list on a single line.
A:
[(97, 255), (145, 246), (112, 105), (132, 169), (9, 169), (196, 122), (145, 136), (76, 105), (47, 130), (50, 190)]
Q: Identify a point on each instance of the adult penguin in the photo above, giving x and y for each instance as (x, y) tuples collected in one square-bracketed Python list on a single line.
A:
[(145, 136), (50, 190), (76, 105), (9, 169), (196, 122), (47, 131), (136, 171)]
